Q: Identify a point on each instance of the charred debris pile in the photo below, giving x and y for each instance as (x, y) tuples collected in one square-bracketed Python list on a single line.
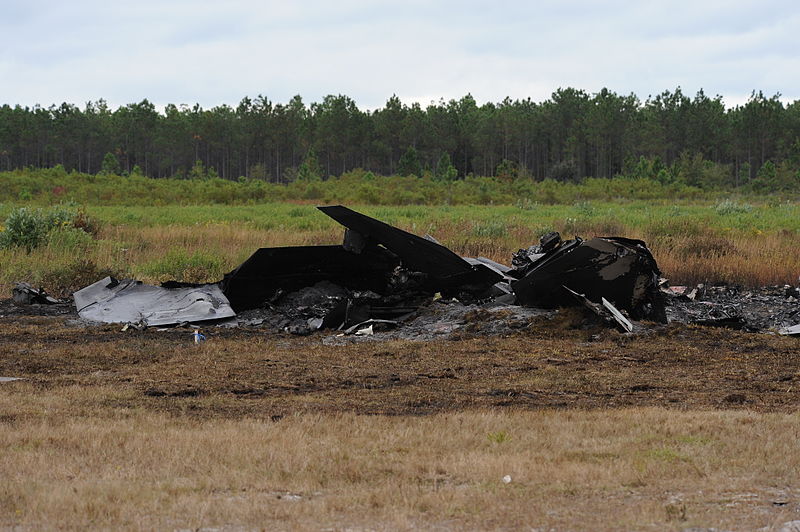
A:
[(382, 278)]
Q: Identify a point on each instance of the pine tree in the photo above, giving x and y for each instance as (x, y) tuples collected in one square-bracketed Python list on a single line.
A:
[(445, 171), (110, 165), (309, 169), (409, 163)]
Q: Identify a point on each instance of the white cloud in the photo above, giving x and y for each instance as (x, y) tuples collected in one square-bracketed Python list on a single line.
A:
[(213, 53)]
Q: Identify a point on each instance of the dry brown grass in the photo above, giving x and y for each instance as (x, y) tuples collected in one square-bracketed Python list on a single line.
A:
[(733, 257), (633, 469), (233, 243), (750, 260), (598, 431)]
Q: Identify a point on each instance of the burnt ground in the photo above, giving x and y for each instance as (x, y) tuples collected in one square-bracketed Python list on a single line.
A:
[(546, 361)]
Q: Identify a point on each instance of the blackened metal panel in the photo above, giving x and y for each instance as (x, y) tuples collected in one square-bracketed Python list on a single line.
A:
[(268, 270), (618, 269), (446, 269), (417, 253)]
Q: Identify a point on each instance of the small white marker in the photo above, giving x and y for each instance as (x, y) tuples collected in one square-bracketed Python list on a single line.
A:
[(198, 337), (507, 479)]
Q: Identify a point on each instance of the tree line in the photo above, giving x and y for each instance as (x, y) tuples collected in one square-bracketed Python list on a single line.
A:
[(571, 135)]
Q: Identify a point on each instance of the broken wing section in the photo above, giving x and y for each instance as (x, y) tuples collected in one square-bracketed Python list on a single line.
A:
[(129, 301), (445, 270)]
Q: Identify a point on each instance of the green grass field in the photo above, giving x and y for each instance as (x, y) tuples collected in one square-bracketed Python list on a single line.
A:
[(197, 230), (649, 217)]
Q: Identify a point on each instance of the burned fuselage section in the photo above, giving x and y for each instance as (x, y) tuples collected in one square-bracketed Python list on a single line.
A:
[(621, 270), (382, 274), (272, 272), (379, 272)]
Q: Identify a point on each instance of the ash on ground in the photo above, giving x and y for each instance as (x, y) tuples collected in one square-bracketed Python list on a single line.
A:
[(449, 320), (766, 310)]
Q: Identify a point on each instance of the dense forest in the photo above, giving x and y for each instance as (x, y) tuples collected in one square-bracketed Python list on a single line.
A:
[(570, 136)]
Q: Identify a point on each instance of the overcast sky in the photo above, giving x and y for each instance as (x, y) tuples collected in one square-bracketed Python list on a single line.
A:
[(192, 51)]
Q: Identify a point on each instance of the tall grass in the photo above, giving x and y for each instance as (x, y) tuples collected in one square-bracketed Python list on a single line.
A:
[(692, 243)]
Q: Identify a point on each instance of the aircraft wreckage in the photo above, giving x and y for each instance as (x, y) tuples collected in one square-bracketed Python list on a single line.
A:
[(381, 275)]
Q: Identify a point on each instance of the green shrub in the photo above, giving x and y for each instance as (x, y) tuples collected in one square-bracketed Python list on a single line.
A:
[(58, 216), (44, 187), (490, 229), (29, 228), (25, 228), (369, 193), (313, 191), (526, 204), (585, 209), (500, 436)]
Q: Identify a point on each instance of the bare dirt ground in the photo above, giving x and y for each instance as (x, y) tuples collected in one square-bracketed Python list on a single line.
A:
[(675, 428), (551, 363)]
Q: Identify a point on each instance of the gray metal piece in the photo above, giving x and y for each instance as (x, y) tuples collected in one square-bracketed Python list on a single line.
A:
[(622, 320), (501, 269), (606, 310), (130, 301), (25, 294), (500, 288), (356, 329), (794, 330), (582, 299)]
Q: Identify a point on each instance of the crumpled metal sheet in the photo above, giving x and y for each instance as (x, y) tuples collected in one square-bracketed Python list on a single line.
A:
[(131, 301), (382, 272), (604, 310)]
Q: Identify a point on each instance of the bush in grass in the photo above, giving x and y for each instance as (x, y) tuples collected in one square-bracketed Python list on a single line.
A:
[(24, 228), (490, 229), (369, 194), (29, 228), (498, 437)]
